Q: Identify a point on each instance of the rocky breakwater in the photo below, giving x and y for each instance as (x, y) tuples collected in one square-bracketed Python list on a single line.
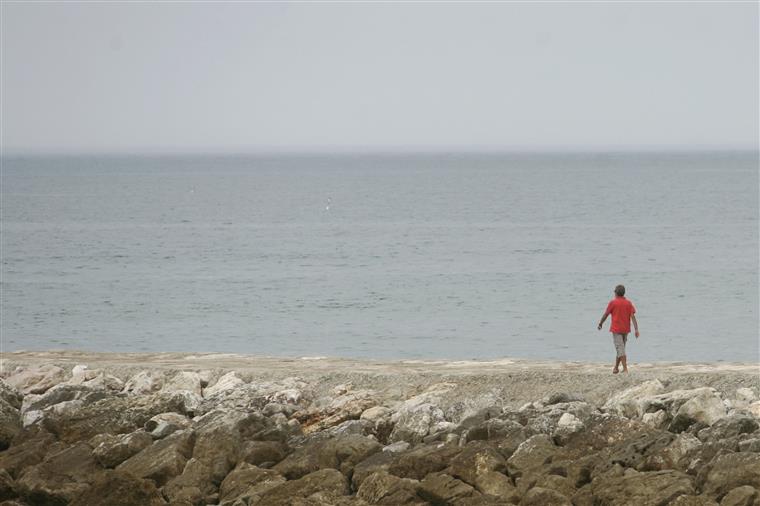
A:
[(87, 437)]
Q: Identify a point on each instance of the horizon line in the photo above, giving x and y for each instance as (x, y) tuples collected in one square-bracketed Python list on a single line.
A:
[(387, 151)]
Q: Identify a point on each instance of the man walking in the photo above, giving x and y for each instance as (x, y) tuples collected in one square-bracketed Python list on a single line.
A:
[(623, 313)]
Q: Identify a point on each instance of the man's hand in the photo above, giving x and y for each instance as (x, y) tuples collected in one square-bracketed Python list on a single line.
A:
[(637, 334), (601, 322)]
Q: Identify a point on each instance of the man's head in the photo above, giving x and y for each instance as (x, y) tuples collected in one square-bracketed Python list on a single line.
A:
[(620, 290)]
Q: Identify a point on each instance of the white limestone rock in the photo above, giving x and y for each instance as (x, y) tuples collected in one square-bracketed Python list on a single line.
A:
[(658, 419), (745, 394), (144, 382), (631, 402), (705, 407), (226, 383), (36, 380), (187, 381)]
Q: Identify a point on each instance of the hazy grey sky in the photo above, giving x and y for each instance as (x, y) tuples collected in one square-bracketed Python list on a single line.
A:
[(256, 76)]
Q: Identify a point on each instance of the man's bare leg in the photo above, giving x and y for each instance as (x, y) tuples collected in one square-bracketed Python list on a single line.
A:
[(624, 360), (615, 370)]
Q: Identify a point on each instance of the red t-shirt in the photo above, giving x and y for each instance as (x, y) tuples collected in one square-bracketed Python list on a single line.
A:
[(621, 310)]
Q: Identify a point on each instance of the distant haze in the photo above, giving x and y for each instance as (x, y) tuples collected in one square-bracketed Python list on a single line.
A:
[(122, 77)]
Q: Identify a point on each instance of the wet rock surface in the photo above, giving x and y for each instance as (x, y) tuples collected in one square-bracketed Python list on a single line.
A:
[(94, 436)]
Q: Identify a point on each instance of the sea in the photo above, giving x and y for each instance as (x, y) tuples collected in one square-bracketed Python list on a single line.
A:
[(382, 256)]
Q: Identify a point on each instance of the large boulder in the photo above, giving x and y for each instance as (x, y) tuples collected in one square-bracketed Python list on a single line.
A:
[(673, 400), (442, 488), (531, 454), (634, 452), (577, 466), (745, 394), (187, 381), (632, 401), (387, 489), (377, 462), (226, 383), (215, 454), (750, 445), (604, 431), (144, 383), (693, 500), (704, 407), (163, 460), (95, 379), (728, 427), (567, 425), (507, 435), (111, 450), (249, 425), (163, 424), (496, 484), (60, 477), (657, 420), (676, 455), (423, 460), (10, 423), (112, 415), (62, 393), (328, 482), (195, 485), (539, 496), (10, 395), (30, 451), (341, 453), (263, 453), (538, 479), (545, 419), (376, 414), (291, 390), (253, 396), (113, 488), (7, 487), (379, 418), (643, 489), (412, 422), (731, 470), (420, 415), (246, 481), (348, 406), (741, 496), (36, 380), (482, 467)]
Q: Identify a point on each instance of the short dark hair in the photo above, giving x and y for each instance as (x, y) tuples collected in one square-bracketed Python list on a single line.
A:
[(620, 290)]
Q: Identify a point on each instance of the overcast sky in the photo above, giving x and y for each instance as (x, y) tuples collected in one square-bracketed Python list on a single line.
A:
[(245, 77)]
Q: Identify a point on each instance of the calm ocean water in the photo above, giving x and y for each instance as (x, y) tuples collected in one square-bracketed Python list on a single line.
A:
[(467, 256)]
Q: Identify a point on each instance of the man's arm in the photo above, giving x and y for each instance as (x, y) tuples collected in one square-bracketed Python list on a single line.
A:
[(604, 317), (635, 324)]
